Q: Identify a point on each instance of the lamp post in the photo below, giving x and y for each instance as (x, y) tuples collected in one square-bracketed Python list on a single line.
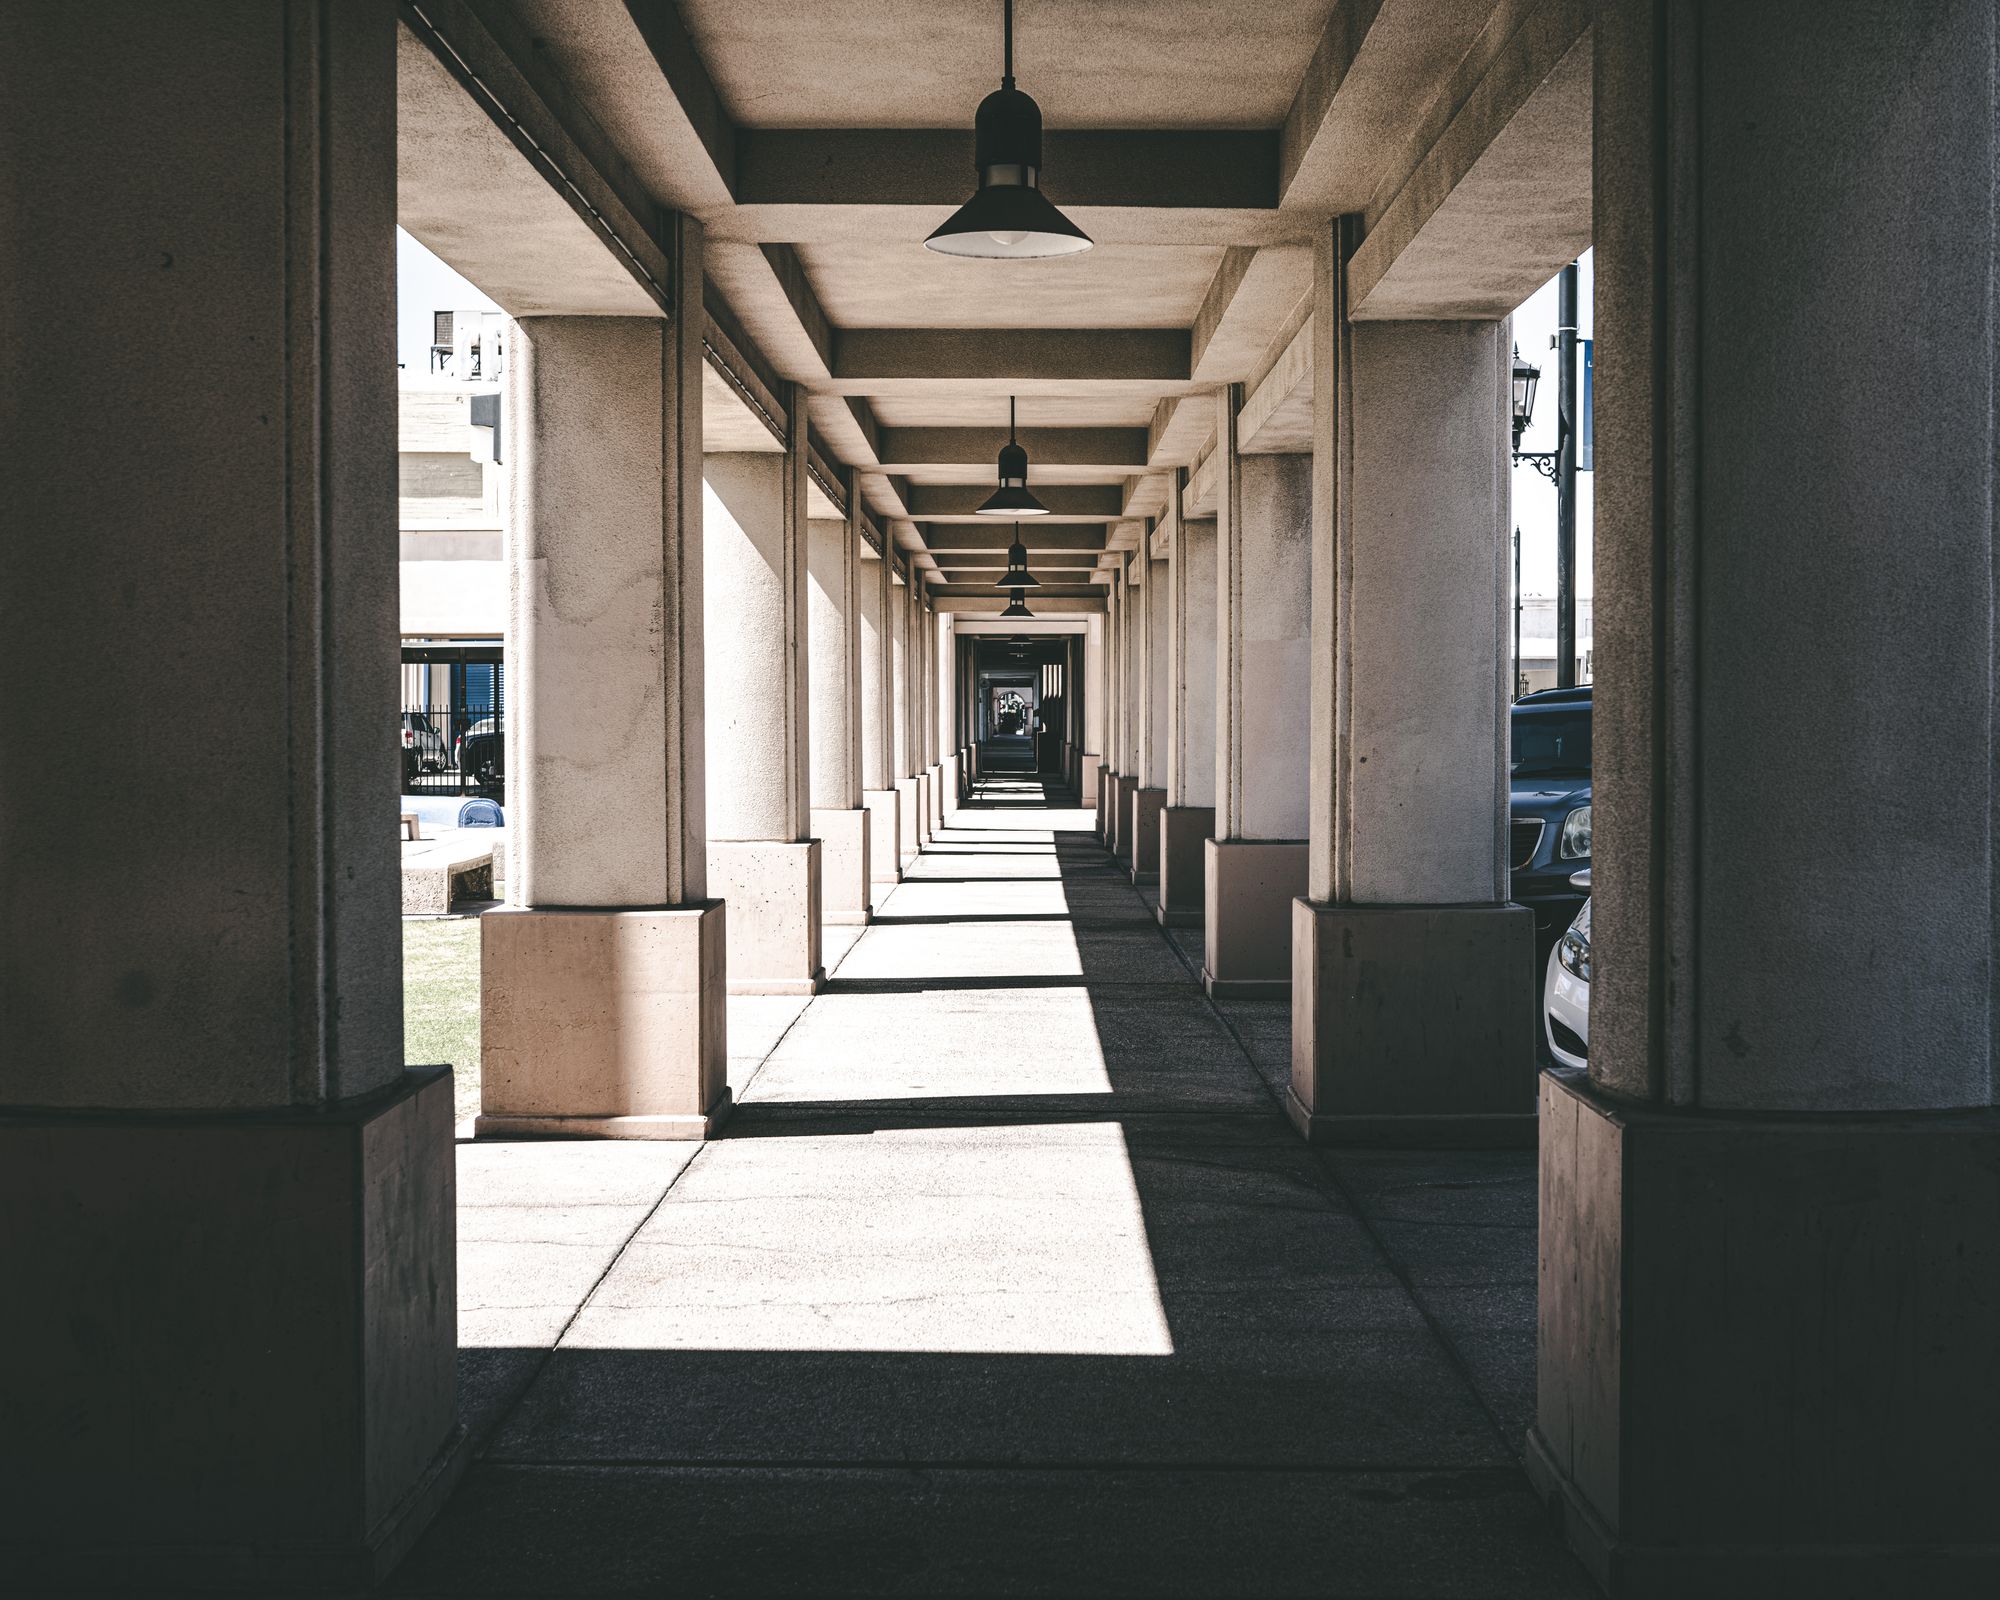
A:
[(1557, 465)]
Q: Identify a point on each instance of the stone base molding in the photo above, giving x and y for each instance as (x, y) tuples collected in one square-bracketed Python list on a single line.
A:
[(1184, 835), (603, 1024), (772, 890), (1413, 1025), (1767, 1349), (845, 866), (1248, 889), (223, 1375)]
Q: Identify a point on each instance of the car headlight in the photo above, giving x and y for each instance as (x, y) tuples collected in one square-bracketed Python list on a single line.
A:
[(1574, 951), (1574, 842)]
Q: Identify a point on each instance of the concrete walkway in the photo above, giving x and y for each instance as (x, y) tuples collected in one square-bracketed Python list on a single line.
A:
[(1007, 1277)]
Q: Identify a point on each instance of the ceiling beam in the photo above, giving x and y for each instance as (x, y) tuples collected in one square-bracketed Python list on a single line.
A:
[(1043, 604), (985, 360), (1036, 534), (490, 179), (1073, 502), (1501, 199), (1113, 449), (1182, 169)]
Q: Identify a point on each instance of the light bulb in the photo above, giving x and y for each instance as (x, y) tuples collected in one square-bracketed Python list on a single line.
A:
[(1008, 239)]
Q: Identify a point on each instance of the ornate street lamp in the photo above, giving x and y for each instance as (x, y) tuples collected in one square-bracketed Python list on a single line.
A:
[(1526, 376)]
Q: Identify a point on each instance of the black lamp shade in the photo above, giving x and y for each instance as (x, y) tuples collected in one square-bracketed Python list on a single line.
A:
[(1008, 217), (1017, 576), (1012, 498)]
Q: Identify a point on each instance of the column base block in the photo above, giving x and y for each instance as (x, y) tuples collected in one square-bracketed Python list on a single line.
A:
[(603, 1024), (1107, 807), (933, 801), (1086, 781), (1184, 835), (233, 1344), (1766, 1349), (1121, 823), (1146, 807), (844, 867), (1248, 886), (884, 807), (1408, 1026), (910, 820), (948, 788), (772, 890)]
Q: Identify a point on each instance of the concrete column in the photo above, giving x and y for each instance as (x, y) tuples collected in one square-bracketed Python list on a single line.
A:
[(763, 861), (1407, 913), (1149, 790), (1256, 862), (945, 710), (228, 1255), (1187, 820), (1117, 676), (834, 582), (927, 716), (1090, 759), (601, 983), (1770, 1213), (909, 793), (876, 610)]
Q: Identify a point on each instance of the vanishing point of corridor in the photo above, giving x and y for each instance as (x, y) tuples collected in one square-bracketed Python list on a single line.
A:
[(1006, 1276)]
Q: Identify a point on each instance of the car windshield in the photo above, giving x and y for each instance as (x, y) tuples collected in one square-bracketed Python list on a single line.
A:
[(1551, 744)]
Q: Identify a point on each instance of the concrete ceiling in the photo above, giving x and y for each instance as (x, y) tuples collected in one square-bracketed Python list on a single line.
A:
[(928, 63), (1204, 144)]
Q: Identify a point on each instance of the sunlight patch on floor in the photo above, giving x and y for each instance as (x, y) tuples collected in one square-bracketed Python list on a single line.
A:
[(1006, 1240)]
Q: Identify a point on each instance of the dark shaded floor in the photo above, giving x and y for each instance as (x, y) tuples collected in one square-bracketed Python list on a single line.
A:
[(1007, 1278)]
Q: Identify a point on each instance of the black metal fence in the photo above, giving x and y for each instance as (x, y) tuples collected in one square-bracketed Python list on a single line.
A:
[(449, 751)]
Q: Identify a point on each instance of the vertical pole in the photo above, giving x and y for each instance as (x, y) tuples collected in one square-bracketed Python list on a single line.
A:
[(1514, 693), (1566, 478)]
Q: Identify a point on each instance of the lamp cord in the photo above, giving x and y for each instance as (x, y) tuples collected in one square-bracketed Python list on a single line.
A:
[(1007, 51)]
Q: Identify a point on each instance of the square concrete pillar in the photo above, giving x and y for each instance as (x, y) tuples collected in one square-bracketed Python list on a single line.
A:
[(603, 1024), (1184, 835), (884, 837), (1107, 807), (1088, 792), (227, 1253), (1249, 886), (1408, 1025), (1146, 805), (774, 896), (933, 801), (836, 592)]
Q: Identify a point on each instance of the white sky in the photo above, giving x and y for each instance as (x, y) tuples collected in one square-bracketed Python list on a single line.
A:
[(1534, 495), (425, 284)]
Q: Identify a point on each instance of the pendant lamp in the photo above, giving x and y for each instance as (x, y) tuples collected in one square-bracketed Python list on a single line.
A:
[(1014, 607), (1012, 498), (1008, 217), (1017, 575)]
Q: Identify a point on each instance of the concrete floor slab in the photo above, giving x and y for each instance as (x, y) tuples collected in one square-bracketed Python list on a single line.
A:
[(1006, 1276)]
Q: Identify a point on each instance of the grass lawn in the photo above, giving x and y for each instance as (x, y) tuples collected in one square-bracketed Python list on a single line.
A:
[(441, 1002)]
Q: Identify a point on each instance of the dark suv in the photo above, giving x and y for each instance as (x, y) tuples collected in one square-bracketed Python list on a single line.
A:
[(1548, 831)]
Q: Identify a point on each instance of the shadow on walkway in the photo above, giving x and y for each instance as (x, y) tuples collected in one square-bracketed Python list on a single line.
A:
[(1006, 1277)]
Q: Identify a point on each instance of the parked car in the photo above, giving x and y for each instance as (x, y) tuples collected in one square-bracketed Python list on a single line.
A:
[(1548, 835), (423, 747), (1566, 993), (482, 755)]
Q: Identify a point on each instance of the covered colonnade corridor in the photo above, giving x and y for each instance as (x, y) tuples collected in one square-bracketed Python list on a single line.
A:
[(1008, 1056)]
